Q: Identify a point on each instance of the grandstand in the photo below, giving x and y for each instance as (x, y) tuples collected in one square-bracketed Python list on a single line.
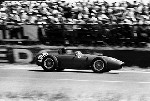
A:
[(75, 22)]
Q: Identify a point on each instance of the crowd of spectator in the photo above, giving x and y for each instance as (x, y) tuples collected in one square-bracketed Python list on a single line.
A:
[(63, 12)]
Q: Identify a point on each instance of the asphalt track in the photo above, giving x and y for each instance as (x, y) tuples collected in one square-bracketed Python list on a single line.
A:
[(31, 83)]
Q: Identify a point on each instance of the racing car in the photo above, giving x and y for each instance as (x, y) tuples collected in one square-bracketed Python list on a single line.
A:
[(77, 60)]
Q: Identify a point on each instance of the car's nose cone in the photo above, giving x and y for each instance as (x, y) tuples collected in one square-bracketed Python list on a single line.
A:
[(113, 63)]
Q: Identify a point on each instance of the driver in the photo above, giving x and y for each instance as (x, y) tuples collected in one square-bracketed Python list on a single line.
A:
[(78, 54)]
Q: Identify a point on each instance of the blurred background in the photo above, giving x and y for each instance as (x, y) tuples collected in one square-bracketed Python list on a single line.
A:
[(75, 22)]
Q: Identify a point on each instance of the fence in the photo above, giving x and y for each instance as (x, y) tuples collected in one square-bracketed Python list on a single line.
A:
[(75, 34)]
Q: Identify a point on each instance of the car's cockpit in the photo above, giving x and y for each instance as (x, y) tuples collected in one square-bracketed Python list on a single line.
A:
[(62, 51)]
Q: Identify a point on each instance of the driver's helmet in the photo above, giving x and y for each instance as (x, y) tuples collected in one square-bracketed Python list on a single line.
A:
[(78, 53)]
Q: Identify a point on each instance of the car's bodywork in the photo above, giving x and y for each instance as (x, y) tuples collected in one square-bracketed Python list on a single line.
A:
[(77, 60)]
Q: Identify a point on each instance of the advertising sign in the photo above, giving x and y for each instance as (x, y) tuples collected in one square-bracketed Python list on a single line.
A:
[(21, 55)]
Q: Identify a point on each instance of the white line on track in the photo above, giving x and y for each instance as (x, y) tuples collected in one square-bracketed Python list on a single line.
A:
[(80, 80), (144, 82), (104, 81), (88, 80), (131, 71), (34, 67)]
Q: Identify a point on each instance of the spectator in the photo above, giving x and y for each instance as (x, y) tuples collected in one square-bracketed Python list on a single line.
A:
[(28, 10), (63, 12)]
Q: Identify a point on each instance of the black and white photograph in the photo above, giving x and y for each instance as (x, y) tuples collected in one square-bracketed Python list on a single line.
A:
[(74, 50)]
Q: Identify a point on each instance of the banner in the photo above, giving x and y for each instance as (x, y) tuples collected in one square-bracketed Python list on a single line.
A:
[(31, 31)]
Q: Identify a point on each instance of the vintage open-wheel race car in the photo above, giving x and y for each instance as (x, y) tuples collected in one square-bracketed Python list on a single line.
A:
[(77, 60)]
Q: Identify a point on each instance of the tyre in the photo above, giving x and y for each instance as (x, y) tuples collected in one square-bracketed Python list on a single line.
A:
[(99, 66), (49, 63)]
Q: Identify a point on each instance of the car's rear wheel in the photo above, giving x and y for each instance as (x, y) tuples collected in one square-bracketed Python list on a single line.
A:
[(49, 63), (99, 66)]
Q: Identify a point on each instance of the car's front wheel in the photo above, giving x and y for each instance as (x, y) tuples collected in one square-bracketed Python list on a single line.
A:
[(49, 63), (99, 66)]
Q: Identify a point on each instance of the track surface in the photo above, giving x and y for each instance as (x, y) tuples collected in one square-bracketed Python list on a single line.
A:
[(29, 82)]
